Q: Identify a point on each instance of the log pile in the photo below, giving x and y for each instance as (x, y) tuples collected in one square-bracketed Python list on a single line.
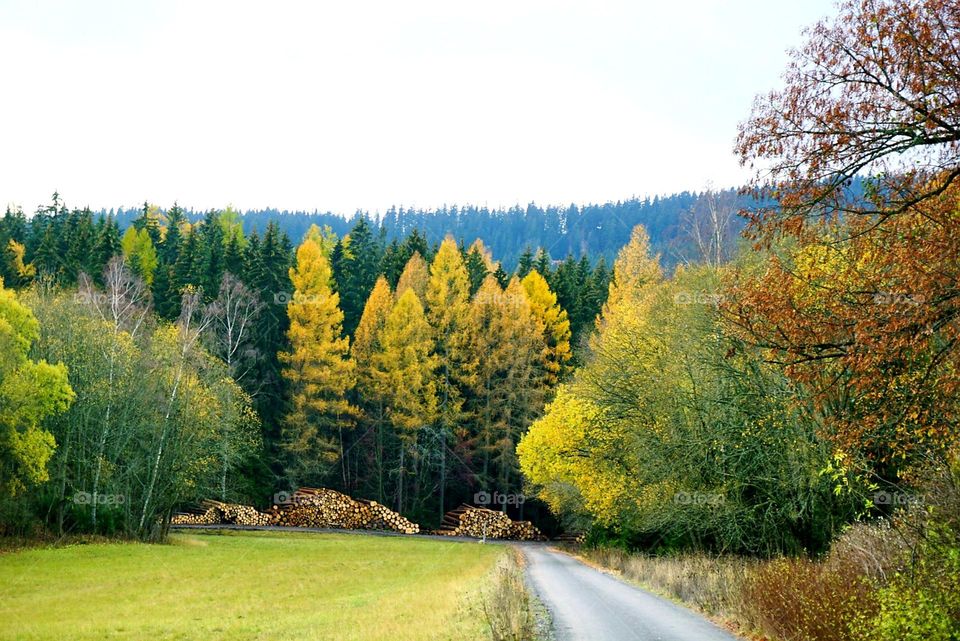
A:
[(481, 522), (323, 508), (216, 513), (573, 538)]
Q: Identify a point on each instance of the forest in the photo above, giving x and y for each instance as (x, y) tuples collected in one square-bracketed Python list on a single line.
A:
[(595, 230), (779, 386), (206, 360)]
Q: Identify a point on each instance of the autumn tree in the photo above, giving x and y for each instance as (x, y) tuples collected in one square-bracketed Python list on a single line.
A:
[(874, 91), (316, 369), (140, 252), (415, 275), (403, 376), (30, 391), (448, 311), (857, 301), (366, 347), (510, 386), (553, 325)]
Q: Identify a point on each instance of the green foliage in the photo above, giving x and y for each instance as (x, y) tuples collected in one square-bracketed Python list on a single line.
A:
[(30, 392), (139, 250)]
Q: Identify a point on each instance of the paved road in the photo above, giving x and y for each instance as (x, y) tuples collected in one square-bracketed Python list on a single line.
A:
[(586, 604)]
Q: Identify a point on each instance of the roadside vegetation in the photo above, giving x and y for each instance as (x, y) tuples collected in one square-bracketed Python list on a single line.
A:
[(775, 431)]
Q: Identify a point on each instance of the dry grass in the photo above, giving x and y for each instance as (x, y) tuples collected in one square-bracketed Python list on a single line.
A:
[(712, 585), (795, 599), (506, 603)]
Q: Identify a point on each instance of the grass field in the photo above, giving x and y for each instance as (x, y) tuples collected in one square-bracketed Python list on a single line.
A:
[(251, 585)]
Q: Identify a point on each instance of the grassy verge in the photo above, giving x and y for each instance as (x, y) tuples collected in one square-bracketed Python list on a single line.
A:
[(507, 607), (256, 585), (872, 586)]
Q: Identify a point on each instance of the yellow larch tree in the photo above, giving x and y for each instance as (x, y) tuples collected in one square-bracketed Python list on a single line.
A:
[(416, 275), (403, 372), (553, 324), (448, 311), (317, 371)]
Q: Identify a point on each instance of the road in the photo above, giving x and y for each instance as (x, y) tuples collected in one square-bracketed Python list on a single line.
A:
[(586, 604)]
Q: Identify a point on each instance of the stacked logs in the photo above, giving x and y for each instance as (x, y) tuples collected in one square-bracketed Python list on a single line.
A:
[(481, 522), (216, 513), (323, 508)]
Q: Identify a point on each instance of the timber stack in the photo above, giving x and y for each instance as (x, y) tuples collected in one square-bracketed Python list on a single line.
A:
[(218, 513), (323, 508), (481, 522)]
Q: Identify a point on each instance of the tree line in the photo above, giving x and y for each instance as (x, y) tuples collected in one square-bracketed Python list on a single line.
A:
[(401, 371), (596, 230)]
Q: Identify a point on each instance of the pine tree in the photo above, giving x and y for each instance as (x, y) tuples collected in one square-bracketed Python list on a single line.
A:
[(47, 259), (212, 246), (357, 272), (108, 245), (525, 263), (392, 262), (543, 264), (317, 371), (501, 276), (268, 277), (81, 238), (478, 264)]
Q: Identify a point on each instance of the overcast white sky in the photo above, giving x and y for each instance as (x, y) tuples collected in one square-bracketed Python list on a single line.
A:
[(346, 105)]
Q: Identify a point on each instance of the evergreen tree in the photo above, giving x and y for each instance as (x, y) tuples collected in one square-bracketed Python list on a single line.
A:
[(525, 263), (108, 245), (392, 263), (268, 277), (501, 276), (543, 264), (211, 255), (357, 272), (476, 269)]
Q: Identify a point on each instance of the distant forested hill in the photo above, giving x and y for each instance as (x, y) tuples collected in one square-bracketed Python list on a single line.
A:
[(594, 230)]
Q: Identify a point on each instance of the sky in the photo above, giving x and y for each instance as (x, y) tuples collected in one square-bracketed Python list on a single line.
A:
[(340, 106)]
